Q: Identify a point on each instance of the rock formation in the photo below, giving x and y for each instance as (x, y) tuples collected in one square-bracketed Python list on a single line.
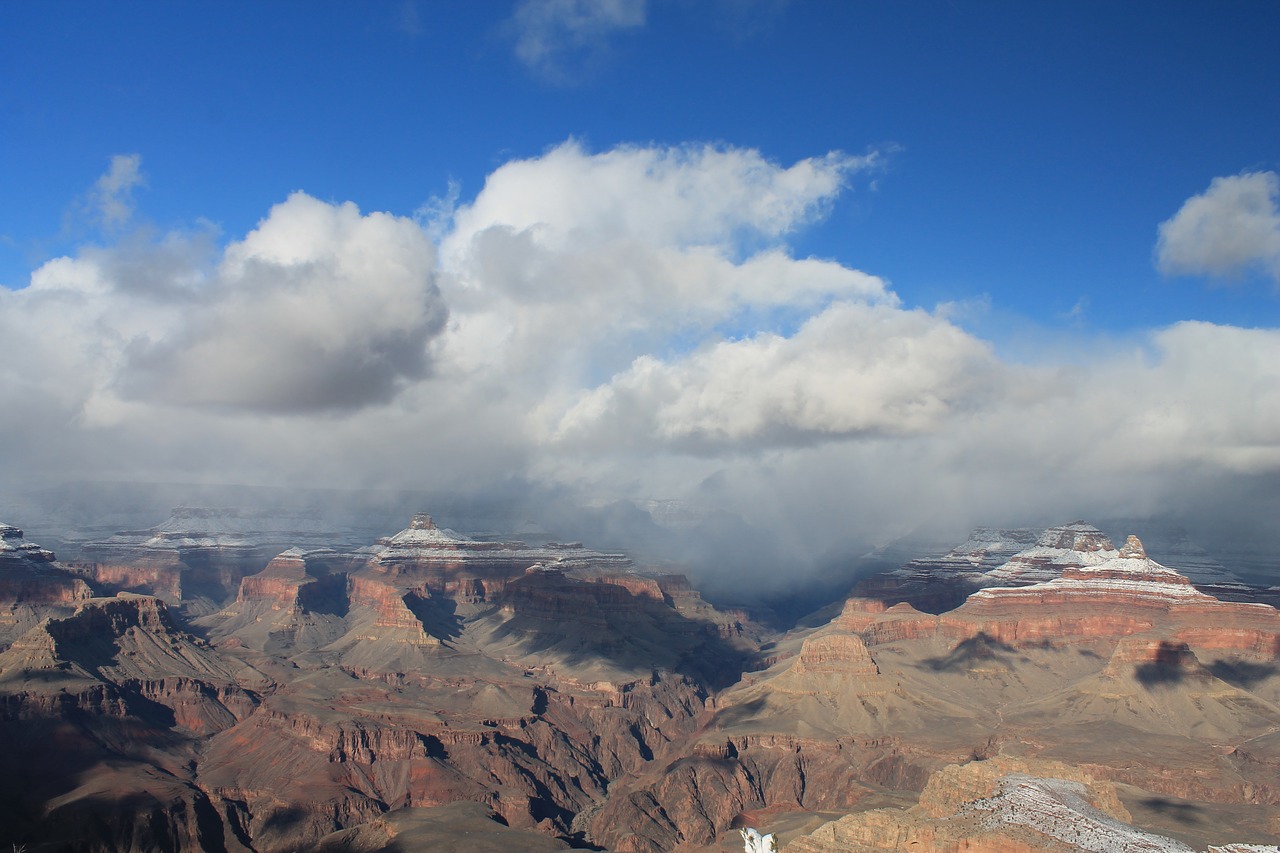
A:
[(472, 571), (1002, 805), (1118, 666), (33, 586), (941, 583), (1019, 557), (201, 552), (539, 697)]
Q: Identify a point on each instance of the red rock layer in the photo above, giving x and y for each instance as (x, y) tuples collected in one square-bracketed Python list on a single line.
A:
[(386, 601), (835, 654)]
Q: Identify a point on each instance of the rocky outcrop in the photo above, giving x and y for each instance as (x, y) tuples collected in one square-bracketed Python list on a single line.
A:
[(14, 547), (1119, 596), (558, 620), (990, 557), (550, 758), (1115, 649), (111, 700), (453, 566), (203, 552), (131, 649), (278, 584), (1002, 805), (841, 654), (937, 584), (29, 574), (438, 828), (33, 586), (386, 605), (1056, 550), (1019, 557), (688, 804)]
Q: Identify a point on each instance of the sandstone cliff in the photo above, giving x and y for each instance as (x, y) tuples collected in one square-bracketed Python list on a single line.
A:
[(1117, 665)]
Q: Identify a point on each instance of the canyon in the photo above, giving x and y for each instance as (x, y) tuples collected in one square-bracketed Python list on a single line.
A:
[(222, 682)]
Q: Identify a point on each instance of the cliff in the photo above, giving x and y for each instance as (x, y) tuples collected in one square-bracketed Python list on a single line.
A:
[(33, 586), (450, 565), (204, 552), (1119, 665)]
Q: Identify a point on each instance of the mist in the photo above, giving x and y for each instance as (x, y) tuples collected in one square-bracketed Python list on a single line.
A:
[(623, 347)]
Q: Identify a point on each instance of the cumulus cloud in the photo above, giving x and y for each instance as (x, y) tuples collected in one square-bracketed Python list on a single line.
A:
[(680, 197), (569, 265), (854, 370), (623, 324), (560, 39), (1231, 228), (319, 308)]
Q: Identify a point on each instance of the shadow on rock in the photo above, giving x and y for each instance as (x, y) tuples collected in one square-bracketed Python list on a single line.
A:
[(981, 647)]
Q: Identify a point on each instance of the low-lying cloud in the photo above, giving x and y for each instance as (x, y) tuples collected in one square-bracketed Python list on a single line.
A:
[(628, 324)]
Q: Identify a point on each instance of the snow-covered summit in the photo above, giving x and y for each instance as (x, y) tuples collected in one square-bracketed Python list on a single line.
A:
[(986, 548), (14, 547), (1131, 565), (1130, 573), (423, 542), (422, 531), (1057, 549)]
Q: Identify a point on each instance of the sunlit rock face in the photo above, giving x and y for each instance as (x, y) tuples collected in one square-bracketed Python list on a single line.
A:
[(1116, 665), (993, 557), (1003, 806)]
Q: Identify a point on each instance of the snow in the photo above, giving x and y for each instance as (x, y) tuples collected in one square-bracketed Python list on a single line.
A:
[(1058, 808), (421, 537)]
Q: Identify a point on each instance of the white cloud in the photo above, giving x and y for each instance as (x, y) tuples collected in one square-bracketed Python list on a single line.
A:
[(679, 197), (568, 266), (111, 200), (852, 370), (1231, 228), (560, 39), (623, 324), (319, 308)]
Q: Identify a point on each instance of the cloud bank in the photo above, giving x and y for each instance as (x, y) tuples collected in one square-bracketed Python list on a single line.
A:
[(626, 324)]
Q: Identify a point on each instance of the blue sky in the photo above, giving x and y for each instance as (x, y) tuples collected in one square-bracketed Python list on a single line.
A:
[(989, 221), (1031, 148)]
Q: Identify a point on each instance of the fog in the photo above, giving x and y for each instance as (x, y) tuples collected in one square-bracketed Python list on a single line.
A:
[(593, 332)]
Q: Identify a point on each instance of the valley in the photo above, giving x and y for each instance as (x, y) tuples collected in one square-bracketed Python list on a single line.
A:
[(216, 684)]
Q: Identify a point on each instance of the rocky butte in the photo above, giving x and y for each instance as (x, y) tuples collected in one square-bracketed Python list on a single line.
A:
[(198, 693), (1119, 667), (32, 585)]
